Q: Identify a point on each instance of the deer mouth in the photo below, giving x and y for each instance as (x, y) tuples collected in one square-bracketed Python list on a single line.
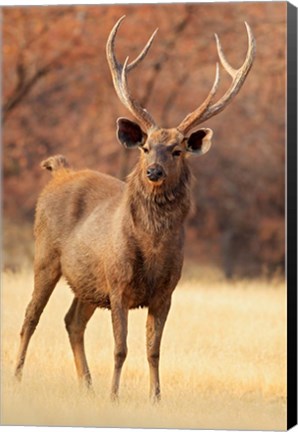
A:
[(156, 183)]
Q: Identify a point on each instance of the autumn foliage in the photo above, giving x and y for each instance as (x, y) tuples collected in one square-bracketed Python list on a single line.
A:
[(58, 97)]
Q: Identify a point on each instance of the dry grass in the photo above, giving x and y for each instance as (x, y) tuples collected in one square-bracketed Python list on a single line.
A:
[(223, 362)]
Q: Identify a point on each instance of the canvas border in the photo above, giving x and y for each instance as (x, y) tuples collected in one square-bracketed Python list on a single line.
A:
[(291, 215)]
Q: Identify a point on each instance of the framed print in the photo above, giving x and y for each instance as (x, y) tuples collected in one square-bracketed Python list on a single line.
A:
[(150, 216)]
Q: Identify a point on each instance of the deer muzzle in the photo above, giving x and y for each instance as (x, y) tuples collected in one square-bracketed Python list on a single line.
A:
[(155, 173)]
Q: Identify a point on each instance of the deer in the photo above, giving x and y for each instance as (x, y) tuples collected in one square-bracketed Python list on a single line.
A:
[(119, 244)]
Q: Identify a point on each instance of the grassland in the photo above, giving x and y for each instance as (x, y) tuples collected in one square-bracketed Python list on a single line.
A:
[(223, 361)]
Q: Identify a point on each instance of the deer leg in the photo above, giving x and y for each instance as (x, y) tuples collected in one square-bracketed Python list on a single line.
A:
[(45, 280), (76, 320), (156, 319), (119, 321)]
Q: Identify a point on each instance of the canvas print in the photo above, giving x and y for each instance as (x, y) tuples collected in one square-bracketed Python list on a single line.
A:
[(144, 216)]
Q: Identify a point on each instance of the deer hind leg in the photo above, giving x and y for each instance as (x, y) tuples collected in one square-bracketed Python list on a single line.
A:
[(119, 321), (76, 320), (45, 280), (157, 315)]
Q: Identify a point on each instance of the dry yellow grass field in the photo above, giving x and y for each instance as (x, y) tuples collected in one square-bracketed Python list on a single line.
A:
[(223, 361)]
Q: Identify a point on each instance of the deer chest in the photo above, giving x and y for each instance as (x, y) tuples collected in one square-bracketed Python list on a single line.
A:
[(151, 274)]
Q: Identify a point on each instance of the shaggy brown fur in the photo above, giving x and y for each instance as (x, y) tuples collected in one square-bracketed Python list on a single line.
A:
[(119, 245)]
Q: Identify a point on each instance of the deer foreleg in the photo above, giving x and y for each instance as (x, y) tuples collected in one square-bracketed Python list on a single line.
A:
[(157, 315), (119, 321)]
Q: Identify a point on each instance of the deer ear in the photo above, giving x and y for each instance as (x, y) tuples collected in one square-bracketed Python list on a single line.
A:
[(199, 142), (129, 133)]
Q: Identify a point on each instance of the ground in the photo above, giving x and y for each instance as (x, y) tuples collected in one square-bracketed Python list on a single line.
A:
[(223, 360)]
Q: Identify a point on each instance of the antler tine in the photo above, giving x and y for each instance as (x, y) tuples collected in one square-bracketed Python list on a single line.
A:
[(205, 111), (231, 71), (140, 57), (190, 119), (113, 62), (133, 105), (119, 76)]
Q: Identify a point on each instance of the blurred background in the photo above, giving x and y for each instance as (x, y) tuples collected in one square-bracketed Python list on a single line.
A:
[(58, 97)]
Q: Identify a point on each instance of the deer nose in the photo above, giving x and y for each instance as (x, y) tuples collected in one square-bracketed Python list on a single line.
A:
[(155, 172)]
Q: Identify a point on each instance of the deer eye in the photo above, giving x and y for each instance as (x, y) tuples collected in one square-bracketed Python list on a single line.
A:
[(176, 153), (145, 150)]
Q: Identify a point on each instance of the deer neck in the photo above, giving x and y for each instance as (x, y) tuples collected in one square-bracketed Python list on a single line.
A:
[(157, 209)]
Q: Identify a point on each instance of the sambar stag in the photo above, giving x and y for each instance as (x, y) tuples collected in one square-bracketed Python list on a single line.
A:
[(119, 244)]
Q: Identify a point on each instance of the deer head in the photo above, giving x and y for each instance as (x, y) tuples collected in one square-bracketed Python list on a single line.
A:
[(164, 150)]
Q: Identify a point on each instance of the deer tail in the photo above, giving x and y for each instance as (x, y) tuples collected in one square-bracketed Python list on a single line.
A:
[(55, 163)]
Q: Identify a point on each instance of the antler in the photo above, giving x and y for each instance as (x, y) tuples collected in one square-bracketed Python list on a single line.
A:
[(119, 75), (205, 111)]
